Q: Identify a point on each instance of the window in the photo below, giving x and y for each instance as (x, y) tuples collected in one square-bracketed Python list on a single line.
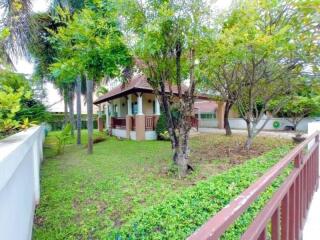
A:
[(115, 110), (134, 108), (207, 115)]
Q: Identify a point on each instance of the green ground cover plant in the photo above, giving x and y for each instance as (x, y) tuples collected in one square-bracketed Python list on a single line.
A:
[(126, 189), (180, 215)]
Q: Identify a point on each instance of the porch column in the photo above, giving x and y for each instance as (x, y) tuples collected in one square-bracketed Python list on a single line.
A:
[(157, 111), (111, 109), (129, 116), (140, 112), (106, 110), (129, 105), (140, 120), (100, 120), (220, 114), (157, 106)]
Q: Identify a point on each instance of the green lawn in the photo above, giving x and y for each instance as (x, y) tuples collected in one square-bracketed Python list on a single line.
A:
[(88, 197)]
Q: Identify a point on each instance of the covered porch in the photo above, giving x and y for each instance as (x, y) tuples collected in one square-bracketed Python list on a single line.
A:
[(133, 116), (132, 110)]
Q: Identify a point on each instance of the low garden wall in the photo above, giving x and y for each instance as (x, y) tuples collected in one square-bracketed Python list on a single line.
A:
[(239, 123), (20, 159)]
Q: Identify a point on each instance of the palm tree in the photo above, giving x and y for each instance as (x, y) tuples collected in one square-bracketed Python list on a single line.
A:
[(17, 19), (44, 53)]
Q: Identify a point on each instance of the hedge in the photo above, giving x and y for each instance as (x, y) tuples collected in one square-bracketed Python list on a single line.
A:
[(181, 214)]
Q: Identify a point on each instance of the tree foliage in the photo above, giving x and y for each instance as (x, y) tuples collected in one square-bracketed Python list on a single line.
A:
[(168, 37), (90, 44), (261, 50)]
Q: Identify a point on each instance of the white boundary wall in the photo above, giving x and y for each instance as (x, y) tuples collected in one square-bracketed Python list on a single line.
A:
[(239, 123), (20, 158)]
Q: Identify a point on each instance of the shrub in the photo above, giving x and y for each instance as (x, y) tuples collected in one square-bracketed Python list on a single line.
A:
[(161, 125), (63, 137), (33, 109), (161, 128), (180, 215)]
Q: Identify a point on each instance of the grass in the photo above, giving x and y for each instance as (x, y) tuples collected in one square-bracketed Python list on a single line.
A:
[(89, 197)]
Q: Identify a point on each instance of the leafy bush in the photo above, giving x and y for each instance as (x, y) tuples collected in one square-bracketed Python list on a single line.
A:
[(16, 104), (33, 109), (161, 125), (180, 215), (9, 105), (63, 137), (161, 128)]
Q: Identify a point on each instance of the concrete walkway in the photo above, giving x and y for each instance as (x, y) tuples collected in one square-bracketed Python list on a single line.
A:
[(311, 230), (280, 134)]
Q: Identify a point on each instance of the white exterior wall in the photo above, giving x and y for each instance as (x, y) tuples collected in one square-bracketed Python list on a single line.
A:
[(207, 123), (54, 101), (133, 135), (21, 155), (122, 133), (150, 135)]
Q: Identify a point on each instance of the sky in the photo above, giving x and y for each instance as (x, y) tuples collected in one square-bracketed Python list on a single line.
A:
[(23, 66)]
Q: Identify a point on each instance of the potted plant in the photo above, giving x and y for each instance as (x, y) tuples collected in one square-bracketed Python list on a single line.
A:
[(298, 138)]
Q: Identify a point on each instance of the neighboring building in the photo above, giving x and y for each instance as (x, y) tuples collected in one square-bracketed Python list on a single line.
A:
[(54, 101), (132, 110)]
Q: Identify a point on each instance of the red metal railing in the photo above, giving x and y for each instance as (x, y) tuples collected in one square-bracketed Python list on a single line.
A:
[(118, 122), (286, 210), (149, 123), (133, 122)]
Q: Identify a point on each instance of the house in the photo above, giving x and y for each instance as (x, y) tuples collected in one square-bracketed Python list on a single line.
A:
[(132, 109)]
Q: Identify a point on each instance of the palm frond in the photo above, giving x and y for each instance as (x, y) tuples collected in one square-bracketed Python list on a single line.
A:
[(16, 17)]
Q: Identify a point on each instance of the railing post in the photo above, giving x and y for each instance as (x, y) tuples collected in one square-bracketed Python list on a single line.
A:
[(275, 225), (292, 222), (297, 217), (285, 217)]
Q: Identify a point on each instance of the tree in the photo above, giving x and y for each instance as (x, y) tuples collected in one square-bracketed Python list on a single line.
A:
[(222, 68), (16, 18), (304, 103), (272, 40), (91, 44), (168, 38), (44, 53)]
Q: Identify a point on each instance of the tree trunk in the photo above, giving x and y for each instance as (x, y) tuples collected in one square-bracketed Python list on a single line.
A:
[(181, 150), (249, 140), (71, 110), (89, 84), (78, 90), (226, 118), (65, 100)]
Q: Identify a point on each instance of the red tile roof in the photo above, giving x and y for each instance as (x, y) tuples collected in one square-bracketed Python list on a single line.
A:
[(206, 106), (138, 83)]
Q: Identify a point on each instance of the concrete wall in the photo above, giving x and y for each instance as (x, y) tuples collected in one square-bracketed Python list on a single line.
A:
[(239, 123), (147, 100), (147, 104), (207, 123), (133, 135), (20, 158), (150, 135), (122, 133)]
